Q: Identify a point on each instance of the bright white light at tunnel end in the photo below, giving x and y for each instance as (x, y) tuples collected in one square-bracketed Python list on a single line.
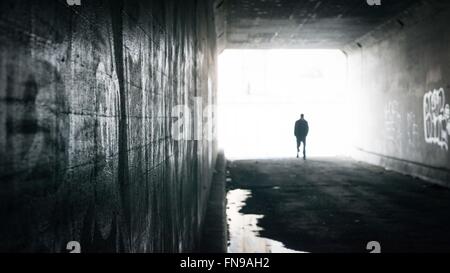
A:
[(263, 92)]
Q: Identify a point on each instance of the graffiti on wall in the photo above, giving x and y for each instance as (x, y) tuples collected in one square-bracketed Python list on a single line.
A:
[(392, 119), (436, 113), (412, 129)]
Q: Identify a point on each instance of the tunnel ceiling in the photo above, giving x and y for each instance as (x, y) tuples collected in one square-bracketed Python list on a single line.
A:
[(305, 23)]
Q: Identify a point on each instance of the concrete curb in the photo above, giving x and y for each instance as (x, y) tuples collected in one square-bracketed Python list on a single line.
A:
[(214, 235)]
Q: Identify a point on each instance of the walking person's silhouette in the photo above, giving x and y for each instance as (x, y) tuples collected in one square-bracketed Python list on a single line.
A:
[(301, 132)]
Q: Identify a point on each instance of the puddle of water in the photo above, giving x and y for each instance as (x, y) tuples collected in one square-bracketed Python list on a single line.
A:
[(244, 231)]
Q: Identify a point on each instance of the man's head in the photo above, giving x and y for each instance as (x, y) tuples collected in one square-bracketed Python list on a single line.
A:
[(302, 116)]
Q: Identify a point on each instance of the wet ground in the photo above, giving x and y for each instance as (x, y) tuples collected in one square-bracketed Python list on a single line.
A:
[(332, 205)]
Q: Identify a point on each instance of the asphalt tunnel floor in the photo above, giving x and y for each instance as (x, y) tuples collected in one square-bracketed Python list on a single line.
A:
[(332, 205)]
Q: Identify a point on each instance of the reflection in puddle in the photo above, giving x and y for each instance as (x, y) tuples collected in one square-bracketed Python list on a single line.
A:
[(243, 230)]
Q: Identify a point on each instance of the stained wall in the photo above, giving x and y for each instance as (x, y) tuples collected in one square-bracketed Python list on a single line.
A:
[(87, 99)]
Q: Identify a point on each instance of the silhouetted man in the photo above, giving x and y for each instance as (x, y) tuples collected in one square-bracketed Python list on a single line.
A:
[(301, 131)]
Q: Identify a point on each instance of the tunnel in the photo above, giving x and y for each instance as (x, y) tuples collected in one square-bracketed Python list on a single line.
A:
[(167, 126)]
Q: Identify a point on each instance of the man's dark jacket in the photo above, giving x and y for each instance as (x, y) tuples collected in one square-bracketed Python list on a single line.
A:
[(301, 128)]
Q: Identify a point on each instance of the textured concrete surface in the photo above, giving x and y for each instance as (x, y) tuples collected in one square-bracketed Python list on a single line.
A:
[(86, 97), (339, 205), (220, 14), (214, 230), (399, 79), (304, 23)]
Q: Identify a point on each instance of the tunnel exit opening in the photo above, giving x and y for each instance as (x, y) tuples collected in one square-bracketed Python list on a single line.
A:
[(263, 92)]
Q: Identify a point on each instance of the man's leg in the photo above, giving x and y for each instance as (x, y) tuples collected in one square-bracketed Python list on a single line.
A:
[(304, 148), (298, 146)]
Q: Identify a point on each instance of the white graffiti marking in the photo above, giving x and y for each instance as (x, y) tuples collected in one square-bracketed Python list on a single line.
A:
[(393, 118), (412, 129), (436, 113)]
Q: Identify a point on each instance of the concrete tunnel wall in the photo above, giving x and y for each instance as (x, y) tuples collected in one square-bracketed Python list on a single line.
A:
[(86, 98), (399, 77)]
